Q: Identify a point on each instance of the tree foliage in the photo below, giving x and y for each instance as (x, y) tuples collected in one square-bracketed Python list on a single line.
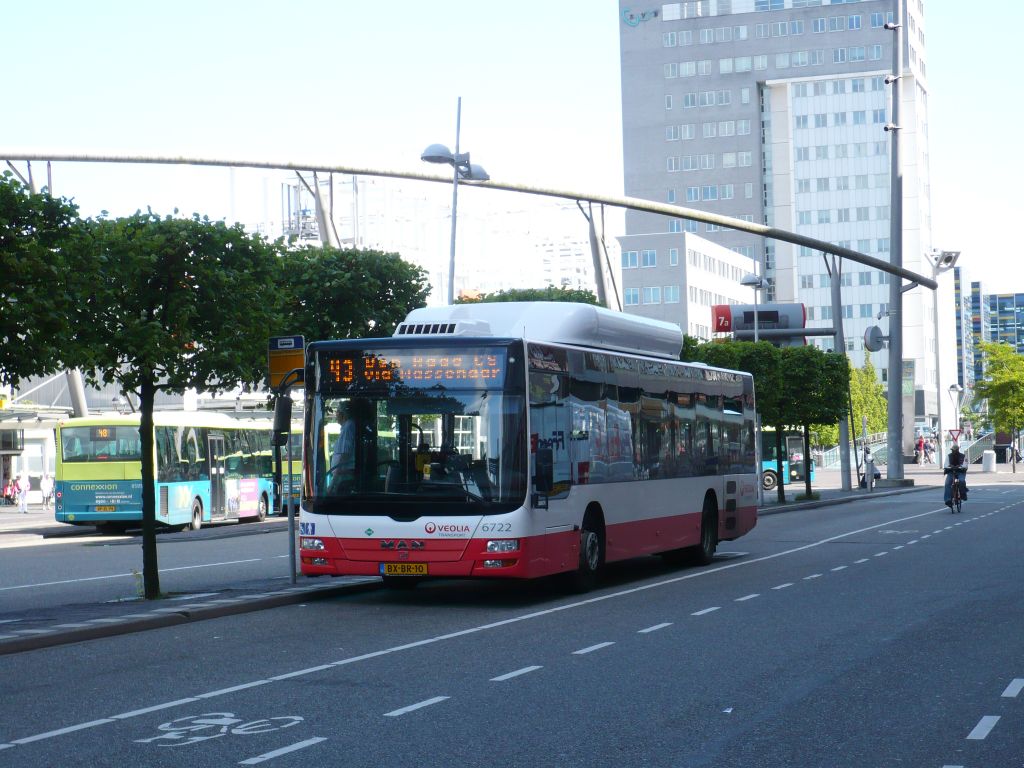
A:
[(171, 304), (1003, 387), (35, 261), (329, 293), (549, 293)]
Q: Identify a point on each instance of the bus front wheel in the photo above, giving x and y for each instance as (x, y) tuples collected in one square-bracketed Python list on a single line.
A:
[(261, 509), (197, 516), (769, 480)]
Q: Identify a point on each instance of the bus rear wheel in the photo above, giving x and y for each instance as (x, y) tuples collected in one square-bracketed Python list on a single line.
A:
[(769, 480), (261, 509), (704, 552), (197, 516)]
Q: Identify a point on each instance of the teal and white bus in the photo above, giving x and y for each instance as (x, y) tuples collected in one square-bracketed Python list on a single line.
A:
[(210, 468)]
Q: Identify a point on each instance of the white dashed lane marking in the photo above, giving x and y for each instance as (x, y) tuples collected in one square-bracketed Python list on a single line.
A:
[(517, 673), (984, 727), (655, 628), (414, 707), (591, 648), (706, 610), (1014, 688)]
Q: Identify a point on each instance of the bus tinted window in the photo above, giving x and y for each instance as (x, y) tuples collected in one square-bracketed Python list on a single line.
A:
[(81, 444)]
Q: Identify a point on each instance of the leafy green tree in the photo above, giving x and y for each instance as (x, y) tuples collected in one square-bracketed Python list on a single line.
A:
[(819, 385), (173, 304), (867, 397), (329, 293), (1003, 387), (763, 361), (691, 348), (550, 293), (35, 260)]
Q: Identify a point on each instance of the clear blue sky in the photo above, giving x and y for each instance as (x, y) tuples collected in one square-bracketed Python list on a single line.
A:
[(371, 84)]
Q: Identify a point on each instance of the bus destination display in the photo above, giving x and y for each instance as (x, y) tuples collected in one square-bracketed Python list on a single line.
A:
[(474, 367)]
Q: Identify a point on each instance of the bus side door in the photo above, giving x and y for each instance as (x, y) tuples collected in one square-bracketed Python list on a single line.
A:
[(218, 489)]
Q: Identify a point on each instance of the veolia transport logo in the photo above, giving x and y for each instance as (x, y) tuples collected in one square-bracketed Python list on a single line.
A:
[(430, 527)]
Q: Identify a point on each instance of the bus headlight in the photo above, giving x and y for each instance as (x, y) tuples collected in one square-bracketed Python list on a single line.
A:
[(310, 543), (503, 545)]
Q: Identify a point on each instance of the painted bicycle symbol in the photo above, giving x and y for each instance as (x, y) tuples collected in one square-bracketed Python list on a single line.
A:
[(193, 729)]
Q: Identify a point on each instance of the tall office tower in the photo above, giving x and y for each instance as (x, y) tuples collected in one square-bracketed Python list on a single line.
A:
[(981, 327), (1006, 319), (965, 343), (774, 111)]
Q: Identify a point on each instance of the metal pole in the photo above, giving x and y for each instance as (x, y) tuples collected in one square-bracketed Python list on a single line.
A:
[(757, 290), (291, 511), (840, 343), (894, 459), (940, 449), (455, 202)]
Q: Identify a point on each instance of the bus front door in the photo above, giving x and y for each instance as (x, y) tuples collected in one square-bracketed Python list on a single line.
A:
[(218, 491)]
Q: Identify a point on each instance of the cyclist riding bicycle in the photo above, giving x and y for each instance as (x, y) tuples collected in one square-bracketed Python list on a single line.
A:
[(956, 466)]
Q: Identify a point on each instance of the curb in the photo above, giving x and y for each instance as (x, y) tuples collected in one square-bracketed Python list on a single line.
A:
[(866, 496), (113, 626)]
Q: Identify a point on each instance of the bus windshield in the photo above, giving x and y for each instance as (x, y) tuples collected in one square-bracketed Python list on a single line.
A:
[(101, 443), (389, 436)]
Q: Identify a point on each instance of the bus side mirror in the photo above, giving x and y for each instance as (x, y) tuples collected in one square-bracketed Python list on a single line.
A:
[(282, 421)]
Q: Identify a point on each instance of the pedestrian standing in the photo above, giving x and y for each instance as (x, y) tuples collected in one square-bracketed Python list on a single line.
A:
[(22, 487), (46, 487)]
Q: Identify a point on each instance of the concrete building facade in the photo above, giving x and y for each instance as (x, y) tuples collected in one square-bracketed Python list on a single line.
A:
[(775, 111)]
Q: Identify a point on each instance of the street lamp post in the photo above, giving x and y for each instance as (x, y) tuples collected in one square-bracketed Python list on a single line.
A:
[(757, 283), (462, 170), (941, 261), (955, 392)]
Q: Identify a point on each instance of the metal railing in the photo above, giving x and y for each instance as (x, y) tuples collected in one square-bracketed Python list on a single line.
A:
[(877, 442), (974, 450)]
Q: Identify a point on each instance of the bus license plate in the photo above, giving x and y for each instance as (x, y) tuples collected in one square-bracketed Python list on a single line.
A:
[(403, 569), (105, 509)]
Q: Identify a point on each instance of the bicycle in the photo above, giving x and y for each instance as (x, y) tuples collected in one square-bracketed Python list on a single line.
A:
[(956, 492)]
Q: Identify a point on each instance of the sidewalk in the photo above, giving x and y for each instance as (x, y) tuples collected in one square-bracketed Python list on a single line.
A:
[(68, 624)]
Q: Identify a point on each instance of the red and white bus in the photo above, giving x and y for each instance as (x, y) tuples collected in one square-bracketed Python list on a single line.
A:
[(520, 440)]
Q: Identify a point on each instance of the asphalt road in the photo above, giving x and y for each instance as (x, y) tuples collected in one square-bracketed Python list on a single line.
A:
[(878, 633)]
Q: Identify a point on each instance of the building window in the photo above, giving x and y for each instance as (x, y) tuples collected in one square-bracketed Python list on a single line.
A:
[(748, 190), (672, 133), (671, 70), (693, 194), (863, 213), (709, 192), (802, 153), (671, 197), (690, 225), (876, 52), (838, 55), (744, 95), (803, 185), (803, 217), (668, 102), (671, 164), (857, 53), (818, 25), (820, 121), (860, 117), (821, 152), (648, 258), (800, 122), (853, 22), (837, 23), (631, 296), (838, 118), (843, 216), (817, 57), (668, 40), (857, 85), (674, 226), (671, 294), (824, 216), (865, 277), (745, 159), (878, 116), (865, 310), (652, 295), (726, 191), (673, 257), (822, 183), (710, 130), (806, 281), (630, 259), (800, 58)]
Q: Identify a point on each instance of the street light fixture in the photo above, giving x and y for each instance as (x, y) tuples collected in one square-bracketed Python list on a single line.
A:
[(955, 392), (941, 261), (462, 170), (757, 283)]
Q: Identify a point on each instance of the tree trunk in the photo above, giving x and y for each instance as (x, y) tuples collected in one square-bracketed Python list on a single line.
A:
[(150, 570), (807, 460), (779, 441)]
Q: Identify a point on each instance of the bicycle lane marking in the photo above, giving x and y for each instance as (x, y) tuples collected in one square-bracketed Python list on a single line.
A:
[(458, 634), (283, 751)]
